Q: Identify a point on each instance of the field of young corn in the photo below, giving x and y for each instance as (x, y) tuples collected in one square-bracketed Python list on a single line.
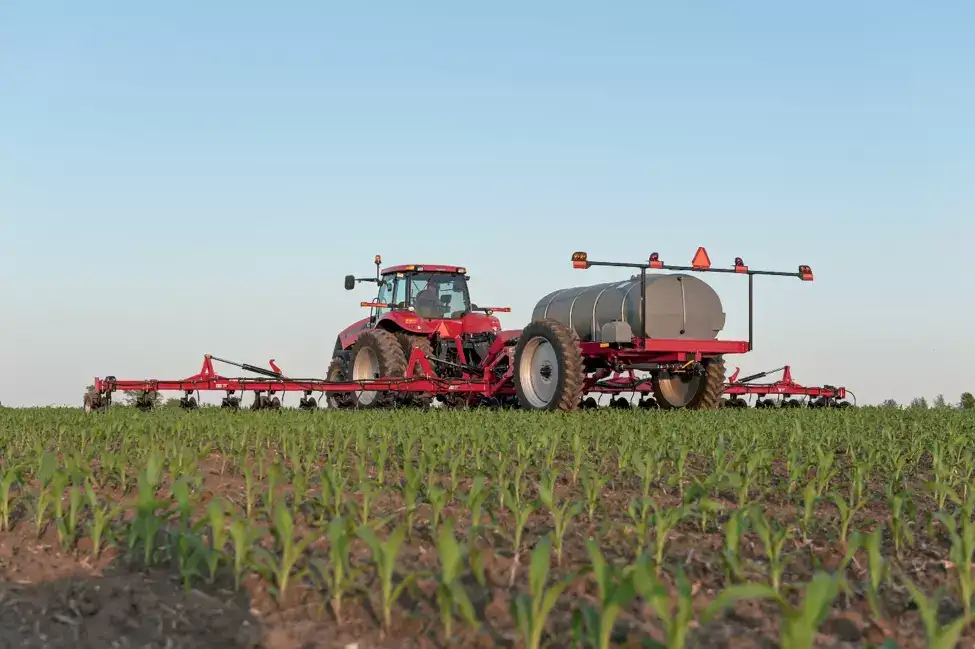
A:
[(487, 529)]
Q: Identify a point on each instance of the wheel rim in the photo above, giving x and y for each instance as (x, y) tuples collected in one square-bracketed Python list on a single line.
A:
[(365, 368), (539, 372), (680, 390)]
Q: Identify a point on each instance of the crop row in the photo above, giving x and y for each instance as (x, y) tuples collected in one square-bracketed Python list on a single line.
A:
[(520, 527)]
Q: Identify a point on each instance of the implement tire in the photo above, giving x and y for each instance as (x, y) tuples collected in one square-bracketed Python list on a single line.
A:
[(697, 393), (337, 371), (548, 367), (376, 354), (409, 342)]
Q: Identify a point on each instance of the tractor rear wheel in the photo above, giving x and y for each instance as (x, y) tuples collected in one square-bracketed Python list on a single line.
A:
[(698, 392), (376, 354), (548, 367), (409, 342)]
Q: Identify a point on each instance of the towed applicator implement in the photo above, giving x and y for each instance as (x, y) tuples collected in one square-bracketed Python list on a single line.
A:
[(790, 393), (424, 340)]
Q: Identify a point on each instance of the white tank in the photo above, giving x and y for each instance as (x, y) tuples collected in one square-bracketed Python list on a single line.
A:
[(677, 306)]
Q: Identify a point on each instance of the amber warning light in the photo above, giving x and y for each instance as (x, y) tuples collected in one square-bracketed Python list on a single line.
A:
[(580, 260), (805, 273), (655, 260)]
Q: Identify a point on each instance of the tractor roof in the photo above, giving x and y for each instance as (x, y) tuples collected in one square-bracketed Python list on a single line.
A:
[(424, 268)]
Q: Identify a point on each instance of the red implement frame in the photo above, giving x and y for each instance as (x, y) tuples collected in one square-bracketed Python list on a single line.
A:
[(785, 386), (419, 377)]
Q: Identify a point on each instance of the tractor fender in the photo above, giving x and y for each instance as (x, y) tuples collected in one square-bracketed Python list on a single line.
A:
[(409, 322), (350, 334)]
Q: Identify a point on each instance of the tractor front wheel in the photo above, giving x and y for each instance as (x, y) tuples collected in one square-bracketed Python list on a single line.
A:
[(696, 392), (376, 354), (548, 367)]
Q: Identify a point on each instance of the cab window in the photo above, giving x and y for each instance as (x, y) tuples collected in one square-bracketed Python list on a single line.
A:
[(439, 295), (385, 296)]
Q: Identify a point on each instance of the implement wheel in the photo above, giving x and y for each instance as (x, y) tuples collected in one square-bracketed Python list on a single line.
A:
[(548, 367), (94, 402), (337, 371), (376, 354), (695, 392), (409, 342)]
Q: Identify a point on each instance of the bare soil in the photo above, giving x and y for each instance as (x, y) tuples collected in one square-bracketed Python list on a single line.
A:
[(52, 599)]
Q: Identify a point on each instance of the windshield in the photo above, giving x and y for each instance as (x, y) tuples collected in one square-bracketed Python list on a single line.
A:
[(438, 295)]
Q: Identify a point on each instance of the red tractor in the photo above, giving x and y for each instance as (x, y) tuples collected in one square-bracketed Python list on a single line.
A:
[(418, 307)]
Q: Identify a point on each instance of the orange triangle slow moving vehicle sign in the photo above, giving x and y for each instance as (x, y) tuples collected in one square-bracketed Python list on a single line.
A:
[(701, 259)]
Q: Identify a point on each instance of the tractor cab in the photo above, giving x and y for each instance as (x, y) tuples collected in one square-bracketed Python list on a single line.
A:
[(422, 299), (430, 292)]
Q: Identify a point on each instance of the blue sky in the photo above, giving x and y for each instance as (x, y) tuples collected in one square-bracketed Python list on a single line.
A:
[(193, 177)]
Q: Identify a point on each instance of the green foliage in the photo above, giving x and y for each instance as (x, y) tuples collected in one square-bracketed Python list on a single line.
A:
[(459, 508)]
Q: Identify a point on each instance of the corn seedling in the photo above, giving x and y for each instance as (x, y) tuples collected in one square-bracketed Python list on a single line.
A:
[(451, 595), (561, 513), (243, 536), (102, 514), (288, 550), (384, 555), (801, 622), (9, 478), (773, 537), (594, 627), (336, 575), (673, 612), (938, 636), (531, 610)]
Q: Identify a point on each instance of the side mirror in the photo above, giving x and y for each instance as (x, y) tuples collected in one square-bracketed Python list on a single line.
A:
[(349, 282)]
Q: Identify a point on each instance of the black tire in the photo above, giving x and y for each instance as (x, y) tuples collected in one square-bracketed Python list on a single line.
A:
[(376, 354), (561, 355), (338, 371), (409, 342), (92, 402), (705, 392)]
